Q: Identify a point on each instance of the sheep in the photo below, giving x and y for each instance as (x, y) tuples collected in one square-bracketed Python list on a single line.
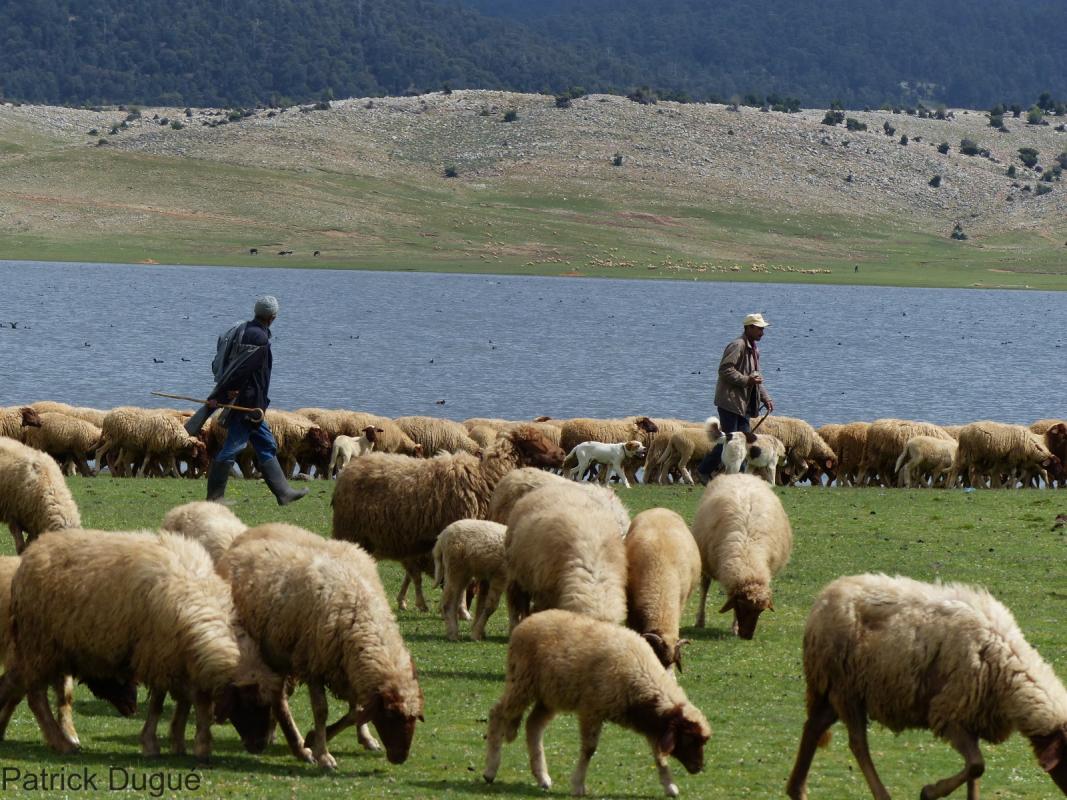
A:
[(561, 661), (93, 416), (319, 613), (679, 450), (166, 618), (663, 568), (848, 442), (345, 448), (520, 482), (395, 506), (949, 658), (989, 450), (146, 435), (212, 524), (483, 435), (436, 434), (470, 550), (1054, 432), (802, 444), (34, 497), (353, 423), (300, 442), (69, 440), (563, 550), (885, 439), (14, 421), (925, 454), (745, 539)]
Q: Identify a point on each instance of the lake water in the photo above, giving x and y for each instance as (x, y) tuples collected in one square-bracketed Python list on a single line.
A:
[(398, 343)]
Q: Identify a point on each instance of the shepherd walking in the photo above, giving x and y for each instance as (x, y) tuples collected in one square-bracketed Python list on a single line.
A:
[(242, 369)]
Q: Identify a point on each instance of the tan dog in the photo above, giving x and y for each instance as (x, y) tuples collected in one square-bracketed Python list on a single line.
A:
[(611, 455)]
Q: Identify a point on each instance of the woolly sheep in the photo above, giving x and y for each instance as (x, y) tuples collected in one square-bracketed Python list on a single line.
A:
[(989, 450), (520, 482), (885, 439), (300, 442), (663, 568), (802, 444), (483, 435), (319, 613), (561, 661), (34, 497), (352, 423), (146, 435), (435, 434), (745, 539), (345, 448), (94, 416), (212, 524), (395, 506), (563, 550), (470, 550), (69, 440), (949, 658), (925, 454), (14, 421), (166, 618), (681, 449), (848, 442)]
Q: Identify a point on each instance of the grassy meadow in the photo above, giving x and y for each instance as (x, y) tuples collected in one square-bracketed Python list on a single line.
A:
[(752, 692)]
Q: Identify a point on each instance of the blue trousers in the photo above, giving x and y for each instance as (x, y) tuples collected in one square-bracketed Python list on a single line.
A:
[(241, 431), (728, 422)]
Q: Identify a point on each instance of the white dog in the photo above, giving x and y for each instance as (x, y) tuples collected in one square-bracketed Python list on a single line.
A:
[(765, 455), (734, 446), (611, 455)]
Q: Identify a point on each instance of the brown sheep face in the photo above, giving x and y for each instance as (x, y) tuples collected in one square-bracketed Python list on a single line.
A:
[(198, 457), (1051, 752), (537, 451), (394, 725), (746, 614), (685, 739), (647, 425), (249, 713), (319, 443), (30, 418), (123, 696)]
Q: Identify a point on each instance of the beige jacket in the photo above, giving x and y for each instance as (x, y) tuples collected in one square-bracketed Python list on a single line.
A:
[(735, 390)]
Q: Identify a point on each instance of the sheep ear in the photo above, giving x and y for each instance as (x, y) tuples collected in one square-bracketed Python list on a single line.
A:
[(770, 606), (1048, 749), (730, 604)]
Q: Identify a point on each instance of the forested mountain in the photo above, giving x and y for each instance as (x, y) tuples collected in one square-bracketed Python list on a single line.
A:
[(239, 52)]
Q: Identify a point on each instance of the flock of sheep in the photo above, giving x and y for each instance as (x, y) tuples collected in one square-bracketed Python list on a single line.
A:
[(227, 619)]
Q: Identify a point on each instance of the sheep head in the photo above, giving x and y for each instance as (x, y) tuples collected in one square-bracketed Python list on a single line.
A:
[(394, 718), (748, 603), (121, 694), (318, 442), (535, 450), (250, 714), (1050, 750), (646, 424), (197, 454), (372, 433), (684, 738), (30, 417)]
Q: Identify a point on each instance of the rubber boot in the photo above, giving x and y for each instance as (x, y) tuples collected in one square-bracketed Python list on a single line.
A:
[(275, 478), (217, 476)]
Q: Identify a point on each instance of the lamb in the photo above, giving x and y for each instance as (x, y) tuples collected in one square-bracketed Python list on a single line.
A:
[(319, 613), (885, 439), (14, 421), (147, 435), (949, 658), (990, 450), (212, 524), (345, 448), (34, 497), (520, 482), (395, 506), (745, 539), (470, 550), (663, 568), (563, 550), (925, 454), (353, 423), (436, 434), (561, 661), (165, 618), (69, 440)]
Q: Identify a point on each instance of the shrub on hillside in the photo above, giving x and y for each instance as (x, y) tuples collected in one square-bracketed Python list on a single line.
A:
[(1035, 116), (617, 160), (904, 139), (643, 95), (451, 172), (1012, 171), (511, 115), (833, 117), (935, 181), (943, 148), (855, 125), (1028, 156), (969, 147), (1041, 189), (889, 129)]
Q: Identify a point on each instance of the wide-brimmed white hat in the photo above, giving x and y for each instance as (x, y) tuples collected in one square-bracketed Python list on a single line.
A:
[(757, 320)]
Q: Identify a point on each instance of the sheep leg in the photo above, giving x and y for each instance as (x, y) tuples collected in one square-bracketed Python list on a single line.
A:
[(202, 741), (465, 601), (504, 721), (16, 532), (821, 716), (292, 735), (10, 697), (856, 722), (149, 740), (178, 721), (401, 596), (663, 769), (705, 584), (488, 600), (420, 600), (536, 723), (518, 605), (320, 710), (37, 699), (64, 688), (358, 717), (451, 604), (966, 744), (589, 729)]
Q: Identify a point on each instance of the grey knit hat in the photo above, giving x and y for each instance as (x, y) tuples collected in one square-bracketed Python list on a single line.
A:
[(266, 306)]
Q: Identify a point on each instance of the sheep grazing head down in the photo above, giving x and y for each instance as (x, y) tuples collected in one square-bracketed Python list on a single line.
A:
[(320, 443), (121, 694), (535, 450), (249, 711), (197, 455), (1051, 752), (684, 732), (30, 417), (747, 604), (394, 719)]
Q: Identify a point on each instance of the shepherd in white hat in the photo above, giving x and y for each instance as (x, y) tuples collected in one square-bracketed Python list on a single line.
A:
[(739, 392)]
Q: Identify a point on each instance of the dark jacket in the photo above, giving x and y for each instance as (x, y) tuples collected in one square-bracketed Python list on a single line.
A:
[(251, 379), (735, 390)]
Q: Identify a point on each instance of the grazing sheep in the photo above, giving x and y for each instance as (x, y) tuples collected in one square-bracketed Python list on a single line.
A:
[(352, 423), (436, 434), (69, 440), (745, 539), (300, 442), (147, 435), (14, 421), (680, 450), (470, 550), (212, 524), (319, 613), (395, 506), (1054, 432), (848, 443), (924, 455), (34, 497), (166, 618), (564, 551), (561, 661), (483, 435), (520, 482), (885, 439), (802, 444), (94, 416), (989, 451), (948, 658), (345, 448), (663, 568)]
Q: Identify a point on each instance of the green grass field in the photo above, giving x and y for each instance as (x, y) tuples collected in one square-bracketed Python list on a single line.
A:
[(752, 692)]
